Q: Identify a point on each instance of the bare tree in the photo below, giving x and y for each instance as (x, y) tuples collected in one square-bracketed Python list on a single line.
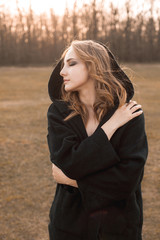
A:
[(30, 39), (75, 21), (158, 41), (127, 32)]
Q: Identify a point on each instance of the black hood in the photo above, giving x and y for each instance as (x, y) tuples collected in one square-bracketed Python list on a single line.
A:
[(56, 80)]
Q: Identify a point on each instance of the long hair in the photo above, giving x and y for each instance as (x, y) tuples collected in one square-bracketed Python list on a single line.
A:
[(109, 89)]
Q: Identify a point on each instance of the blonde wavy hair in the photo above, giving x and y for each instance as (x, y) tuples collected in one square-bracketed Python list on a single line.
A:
[(108, 88)]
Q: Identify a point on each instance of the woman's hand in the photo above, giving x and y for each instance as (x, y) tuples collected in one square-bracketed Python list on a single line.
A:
[(125, 113), (121, 116), (61, 178)]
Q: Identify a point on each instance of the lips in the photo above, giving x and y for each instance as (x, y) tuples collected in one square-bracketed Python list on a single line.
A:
[(66, 80)]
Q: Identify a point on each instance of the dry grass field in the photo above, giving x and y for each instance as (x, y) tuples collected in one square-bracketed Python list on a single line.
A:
[(26, 184)]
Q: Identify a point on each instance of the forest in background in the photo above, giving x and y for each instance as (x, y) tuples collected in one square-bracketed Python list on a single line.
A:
[(27, 38)]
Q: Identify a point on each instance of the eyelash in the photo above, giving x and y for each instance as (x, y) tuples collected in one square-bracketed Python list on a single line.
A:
[(72, 64)]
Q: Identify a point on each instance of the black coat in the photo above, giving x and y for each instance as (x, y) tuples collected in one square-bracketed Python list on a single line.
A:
[(108, 173)]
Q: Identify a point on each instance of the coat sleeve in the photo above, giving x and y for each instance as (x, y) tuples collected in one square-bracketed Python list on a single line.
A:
[(76, 158), (116, 183)]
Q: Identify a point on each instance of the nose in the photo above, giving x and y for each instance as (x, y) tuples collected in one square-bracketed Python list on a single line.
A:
[(63, 72)]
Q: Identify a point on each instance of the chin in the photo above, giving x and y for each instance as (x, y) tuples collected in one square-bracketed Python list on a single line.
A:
[(69, 89)]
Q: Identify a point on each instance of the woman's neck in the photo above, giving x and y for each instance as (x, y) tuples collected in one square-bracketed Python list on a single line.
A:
[(88, 97)]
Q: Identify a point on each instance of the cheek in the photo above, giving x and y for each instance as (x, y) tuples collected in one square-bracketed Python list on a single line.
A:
[(78, 77), (83, 77), (79, 74), (83, 74)]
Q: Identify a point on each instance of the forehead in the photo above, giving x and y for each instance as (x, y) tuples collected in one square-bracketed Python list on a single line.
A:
[(70, 54)]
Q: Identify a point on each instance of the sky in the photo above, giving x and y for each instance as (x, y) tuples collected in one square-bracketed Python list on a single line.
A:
[(59, 5)]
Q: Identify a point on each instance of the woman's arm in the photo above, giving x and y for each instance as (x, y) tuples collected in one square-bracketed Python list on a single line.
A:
[(119, 118), (117, 183), (76, 157), (61, 178)]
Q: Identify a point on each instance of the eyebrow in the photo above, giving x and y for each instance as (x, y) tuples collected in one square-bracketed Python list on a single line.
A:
[(70, 59)]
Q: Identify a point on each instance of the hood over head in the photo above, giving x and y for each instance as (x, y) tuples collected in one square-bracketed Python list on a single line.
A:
[(56, 80)]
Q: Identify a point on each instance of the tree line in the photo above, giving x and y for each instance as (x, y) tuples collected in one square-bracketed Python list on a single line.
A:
[(28, 38)]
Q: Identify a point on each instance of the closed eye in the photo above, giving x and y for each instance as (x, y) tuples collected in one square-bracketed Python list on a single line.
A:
[(72, 63)]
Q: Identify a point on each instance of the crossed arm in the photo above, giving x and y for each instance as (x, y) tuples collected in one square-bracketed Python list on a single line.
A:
[(121, 116), (61, 178)]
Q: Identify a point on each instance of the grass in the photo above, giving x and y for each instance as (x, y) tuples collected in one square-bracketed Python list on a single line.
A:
[(26, 184)]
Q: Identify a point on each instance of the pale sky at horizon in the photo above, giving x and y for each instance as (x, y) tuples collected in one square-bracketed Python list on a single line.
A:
[(59, 6)]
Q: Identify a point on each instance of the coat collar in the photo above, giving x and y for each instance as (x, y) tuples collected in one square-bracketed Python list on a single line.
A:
[(76, 122)]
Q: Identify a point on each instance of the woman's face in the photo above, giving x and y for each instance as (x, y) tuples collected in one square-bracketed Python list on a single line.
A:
[(74, 72)]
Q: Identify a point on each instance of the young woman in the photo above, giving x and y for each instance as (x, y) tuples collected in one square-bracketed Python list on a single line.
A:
[(98, 147)]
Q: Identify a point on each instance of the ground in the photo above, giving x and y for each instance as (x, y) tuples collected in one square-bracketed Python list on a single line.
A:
[(26, 184)]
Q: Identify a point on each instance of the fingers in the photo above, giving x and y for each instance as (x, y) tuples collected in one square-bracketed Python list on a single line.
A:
[(54, 166), (53, 169), (136, 114), (131, 104), (135, 108)]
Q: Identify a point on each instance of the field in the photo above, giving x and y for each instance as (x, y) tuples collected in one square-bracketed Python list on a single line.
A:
[(26, 184)]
